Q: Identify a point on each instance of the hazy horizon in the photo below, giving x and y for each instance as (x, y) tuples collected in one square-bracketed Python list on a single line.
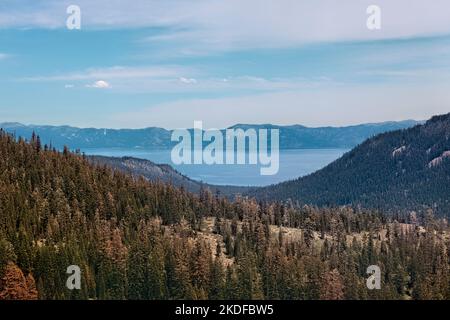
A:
[(205, 127)]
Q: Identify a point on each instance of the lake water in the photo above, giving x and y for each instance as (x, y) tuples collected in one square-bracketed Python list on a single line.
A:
[(293, 164)]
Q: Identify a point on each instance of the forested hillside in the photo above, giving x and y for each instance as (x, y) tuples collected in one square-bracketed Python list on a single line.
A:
[(134, 239), (162, 173), (403, 170)]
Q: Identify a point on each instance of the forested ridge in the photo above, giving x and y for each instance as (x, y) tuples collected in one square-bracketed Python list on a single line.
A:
[(134, 239), (163, 173), (405, 170)]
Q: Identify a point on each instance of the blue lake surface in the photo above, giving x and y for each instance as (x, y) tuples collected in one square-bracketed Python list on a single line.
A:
[(293, 164)]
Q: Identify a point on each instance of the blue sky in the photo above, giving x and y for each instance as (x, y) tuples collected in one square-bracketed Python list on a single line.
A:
[(169, 62)]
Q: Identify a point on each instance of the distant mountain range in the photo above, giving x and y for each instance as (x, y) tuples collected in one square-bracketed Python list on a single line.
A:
[(291, 137), (406, 169)]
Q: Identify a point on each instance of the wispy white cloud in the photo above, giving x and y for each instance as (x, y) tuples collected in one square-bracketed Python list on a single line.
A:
[(423, 75), (173, 79), (3, 56), (204, 25), (115, 72), (188, 80), (100, 84)]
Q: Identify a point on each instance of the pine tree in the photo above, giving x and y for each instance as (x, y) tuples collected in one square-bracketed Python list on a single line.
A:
[(332, 286), (249, 279), (137, 273), (217, 286), (16, 286)]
